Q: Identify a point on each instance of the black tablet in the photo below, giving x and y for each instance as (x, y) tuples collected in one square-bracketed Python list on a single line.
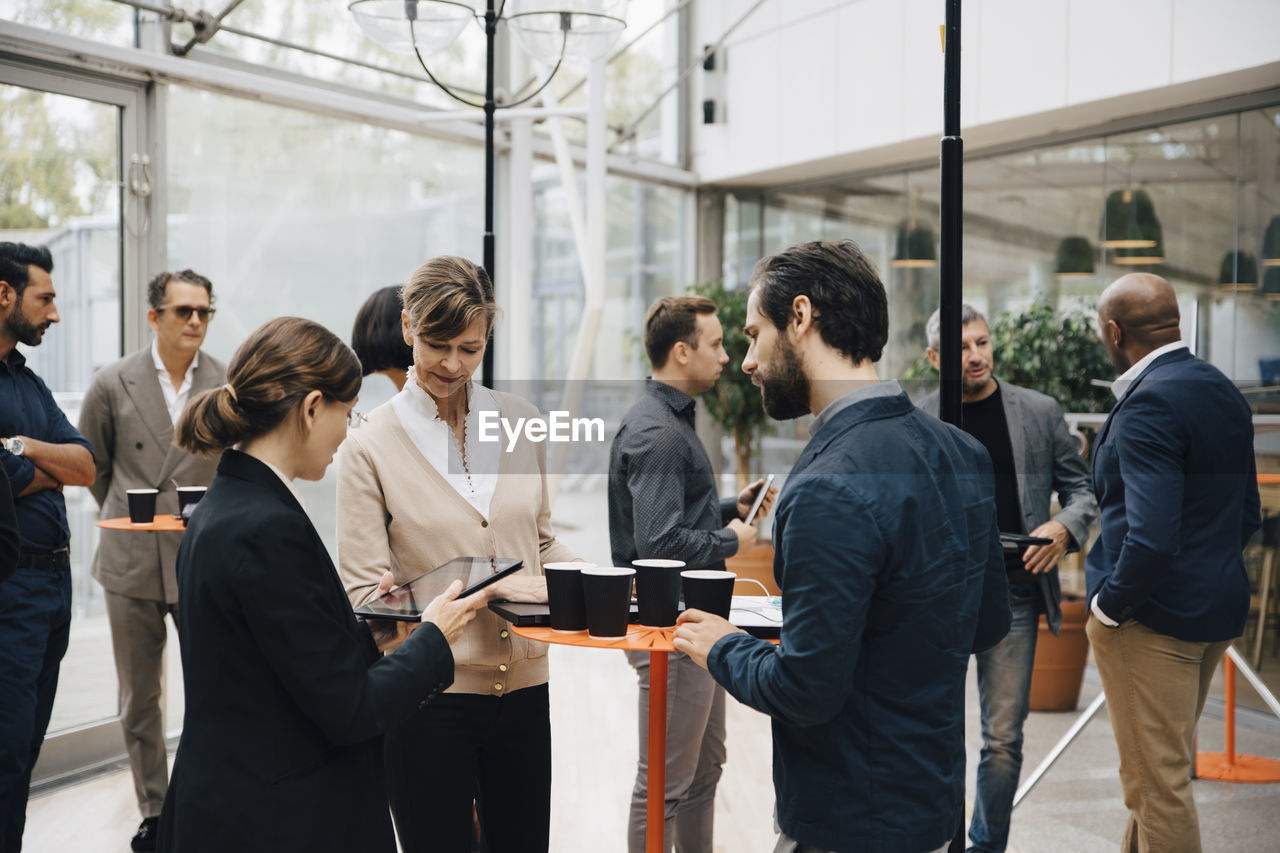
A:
[(1017, 541), (406, 603)]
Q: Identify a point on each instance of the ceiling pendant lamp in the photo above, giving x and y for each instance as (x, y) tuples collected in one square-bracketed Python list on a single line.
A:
[(1074, 258), (1238, 271), (1131, 230), (1271, 244), (1271, 284), (913, 247)]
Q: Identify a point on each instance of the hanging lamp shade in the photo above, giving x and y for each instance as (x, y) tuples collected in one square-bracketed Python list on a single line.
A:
[(1271, 284), (1271, 244), (1074, 258), (1238, 271), (577, 30), (399, 25), (913, 247), (1131, 230)]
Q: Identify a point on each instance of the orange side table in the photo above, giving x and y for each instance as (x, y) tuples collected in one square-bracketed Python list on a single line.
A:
[(657, 642), (160, 524), (1228, 765)]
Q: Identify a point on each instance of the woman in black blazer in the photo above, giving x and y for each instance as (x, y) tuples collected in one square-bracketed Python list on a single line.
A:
[(287, 695)]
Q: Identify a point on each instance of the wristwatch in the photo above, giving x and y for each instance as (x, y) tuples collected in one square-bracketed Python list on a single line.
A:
[(13, 445)]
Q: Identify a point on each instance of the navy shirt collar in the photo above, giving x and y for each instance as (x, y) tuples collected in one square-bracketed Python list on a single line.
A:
[(870, 391)]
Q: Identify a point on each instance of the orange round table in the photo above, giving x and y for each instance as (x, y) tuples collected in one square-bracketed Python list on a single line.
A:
[(657, 642), (159, 524)]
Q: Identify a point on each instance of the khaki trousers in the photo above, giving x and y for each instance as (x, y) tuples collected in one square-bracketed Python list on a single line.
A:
[(137, 639), (1156, 687)]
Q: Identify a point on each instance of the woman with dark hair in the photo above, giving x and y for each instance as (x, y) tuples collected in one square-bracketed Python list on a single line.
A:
[(415, 490), (286, 694), (377, 339)]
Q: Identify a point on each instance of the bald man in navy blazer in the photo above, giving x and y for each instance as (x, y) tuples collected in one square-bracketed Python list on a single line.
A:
[(1176, 482)]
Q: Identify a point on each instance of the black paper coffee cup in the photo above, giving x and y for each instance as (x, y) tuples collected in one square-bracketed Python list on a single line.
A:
[(142, 505), (565, 597), (708, 590), (607, 591), (658, 591)]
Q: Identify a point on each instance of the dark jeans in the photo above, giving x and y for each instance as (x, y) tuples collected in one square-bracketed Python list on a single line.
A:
[(464, 747), (35, 623), (1004, 692)]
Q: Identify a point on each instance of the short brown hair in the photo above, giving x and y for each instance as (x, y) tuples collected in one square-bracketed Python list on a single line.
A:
[(277, 366), (670, 320), (446, 295), (158, 287)]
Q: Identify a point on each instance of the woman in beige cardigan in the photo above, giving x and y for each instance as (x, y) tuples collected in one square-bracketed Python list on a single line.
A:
[(416, 488)]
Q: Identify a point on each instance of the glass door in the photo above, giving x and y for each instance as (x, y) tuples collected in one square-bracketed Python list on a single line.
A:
[(64, 183)]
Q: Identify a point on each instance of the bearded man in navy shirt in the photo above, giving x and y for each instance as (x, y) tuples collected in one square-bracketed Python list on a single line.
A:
[(890, 566)]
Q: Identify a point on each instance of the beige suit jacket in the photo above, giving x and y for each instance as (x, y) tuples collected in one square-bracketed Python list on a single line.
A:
[(396, 513), (127, 422)]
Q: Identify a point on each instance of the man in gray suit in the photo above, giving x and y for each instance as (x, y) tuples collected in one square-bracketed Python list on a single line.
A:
[(129, 415), (1034, 456)]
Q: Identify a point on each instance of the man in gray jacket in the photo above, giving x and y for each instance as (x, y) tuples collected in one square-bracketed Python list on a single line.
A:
[(129, 415), (1034, 456)]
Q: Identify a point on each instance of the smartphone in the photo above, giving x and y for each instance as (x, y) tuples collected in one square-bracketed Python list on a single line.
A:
[(759, 501)]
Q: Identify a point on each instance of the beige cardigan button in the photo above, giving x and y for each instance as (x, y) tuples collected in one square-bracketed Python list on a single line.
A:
[(502, 667), (484, 523), (497, 687), (504, 634)]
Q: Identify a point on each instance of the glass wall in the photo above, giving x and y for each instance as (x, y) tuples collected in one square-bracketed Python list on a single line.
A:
[(1197, 202), (289, 212), (59, 186)]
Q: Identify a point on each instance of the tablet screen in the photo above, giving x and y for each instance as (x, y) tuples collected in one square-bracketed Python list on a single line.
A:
[(408, 602)]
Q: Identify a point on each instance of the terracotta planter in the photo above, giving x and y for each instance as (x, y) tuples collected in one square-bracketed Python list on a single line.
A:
[(756, 564), (1059, 665)]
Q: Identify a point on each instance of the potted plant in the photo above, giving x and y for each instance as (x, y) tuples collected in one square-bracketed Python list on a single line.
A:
[(735, 406)]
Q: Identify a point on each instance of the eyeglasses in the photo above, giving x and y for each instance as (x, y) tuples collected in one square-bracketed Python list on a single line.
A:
[(183, 312), (355, 419)]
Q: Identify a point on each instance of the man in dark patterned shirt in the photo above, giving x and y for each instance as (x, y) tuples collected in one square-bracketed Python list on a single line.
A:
[(663, 503)]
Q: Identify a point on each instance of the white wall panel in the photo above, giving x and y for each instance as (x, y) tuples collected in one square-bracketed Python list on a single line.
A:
[(807, 79), (1117, 47), (922, 68), (869, 74), (1213, 38), (1022, 60), (754, 98)]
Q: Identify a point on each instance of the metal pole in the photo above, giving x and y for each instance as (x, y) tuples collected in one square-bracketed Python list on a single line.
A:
[(950, 279), (490, 31), (951, 282)]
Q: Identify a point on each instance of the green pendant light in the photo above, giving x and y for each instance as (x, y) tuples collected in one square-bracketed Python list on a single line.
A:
[(1238, 271), (1271, 244), (1271, 284), (1074, 258), (913, 247), (1131, 230)]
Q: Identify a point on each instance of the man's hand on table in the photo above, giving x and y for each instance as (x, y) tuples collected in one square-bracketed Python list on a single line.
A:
[(697, 631)]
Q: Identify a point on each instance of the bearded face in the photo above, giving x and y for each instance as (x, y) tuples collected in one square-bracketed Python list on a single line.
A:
[(21, 329), (784, 386)]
